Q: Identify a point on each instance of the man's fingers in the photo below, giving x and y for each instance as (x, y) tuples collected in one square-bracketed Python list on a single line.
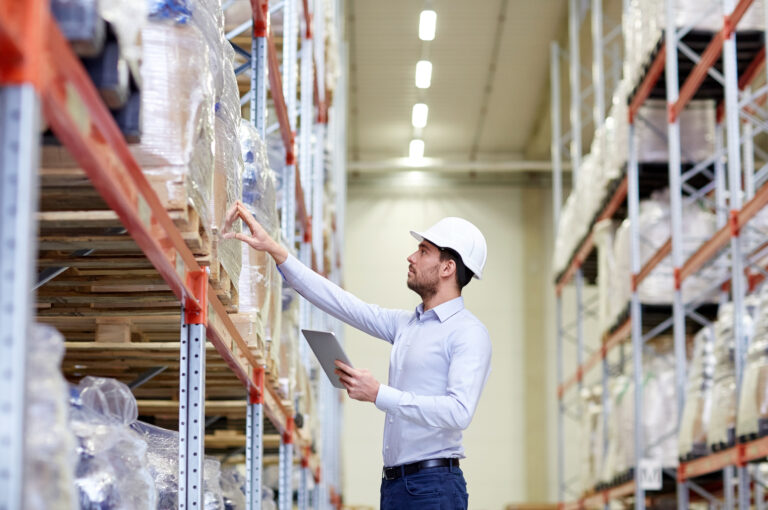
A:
[(247, 217), (344, 367), (232, 215)]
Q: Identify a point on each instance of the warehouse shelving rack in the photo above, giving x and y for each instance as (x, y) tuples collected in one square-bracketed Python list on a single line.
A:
[(739, 106), (39, 73)]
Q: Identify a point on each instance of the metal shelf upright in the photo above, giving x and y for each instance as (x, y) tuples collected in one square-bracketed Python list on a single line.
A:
[(739, 106)]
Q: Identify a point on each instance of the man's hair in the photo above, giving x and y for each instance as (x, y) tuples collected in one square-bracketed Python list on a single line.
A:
[(463, 273)]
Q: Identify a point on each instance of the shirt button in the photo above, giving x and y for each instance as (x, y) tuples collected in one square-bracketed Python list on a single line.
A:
[(391, 420), (386, 447)]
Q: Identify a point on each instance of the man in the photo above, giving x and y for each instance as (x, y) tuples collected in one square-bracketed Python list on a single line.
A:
[(439, 363)]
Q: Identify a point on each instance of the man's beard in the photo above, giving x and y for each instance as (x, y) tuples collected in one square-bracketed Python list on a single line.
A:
[(426, 285)]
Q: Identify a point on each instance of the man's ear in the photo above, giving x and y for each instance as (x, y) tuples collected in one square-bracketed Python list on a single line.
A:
[(448, 268)]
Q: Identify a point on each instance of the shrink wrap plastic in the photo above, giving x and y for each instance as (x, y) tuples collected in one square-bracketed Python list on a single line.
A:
[(654, 225), (259, 273), (753, 403), (722, 422), (605, 163), (162, 447), (604, 232), (659, 413), (228, 169), (49, 463), (592, 436), (289, 344), (660, 402), (621, 449), (232, 489), (112, 470), (177, 121), (692, 441)]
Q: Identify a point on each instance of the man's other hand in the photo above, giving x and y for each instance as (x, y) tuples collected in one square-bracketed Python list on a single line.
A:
[(360, 384)]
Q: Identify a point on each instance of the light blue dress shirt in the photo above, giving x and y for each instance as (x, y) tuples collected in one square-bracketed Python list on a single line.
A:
[(439, 364)]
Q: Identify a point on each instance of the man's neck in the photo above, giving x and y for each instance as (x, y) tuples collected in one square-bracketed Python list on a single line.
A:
[(439, 298)]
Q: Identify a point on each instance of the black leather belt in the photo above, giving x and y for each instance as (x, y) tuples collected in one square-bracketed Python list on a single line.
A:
[(395, 472)]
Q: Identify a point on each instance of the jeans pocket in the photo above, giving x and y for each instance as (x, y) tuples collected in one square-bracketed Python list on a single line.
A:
[(422, 485)]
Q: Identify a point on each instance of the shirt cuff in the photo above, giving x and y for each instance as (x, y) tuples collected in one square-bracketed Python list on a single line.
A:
[(291, 267), (388, 398)]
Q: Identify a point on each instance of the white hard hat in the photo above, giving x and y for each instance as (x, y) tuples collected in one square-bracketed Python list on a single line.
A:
[(462, 237)]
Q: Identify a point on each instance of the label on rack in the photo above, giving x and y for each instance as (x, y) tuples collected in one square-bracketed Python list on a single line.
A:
[(649, 474)]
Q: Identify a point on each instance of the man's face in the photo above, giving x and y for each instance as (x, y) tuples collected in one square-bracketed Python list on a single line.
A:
[(424, 270)]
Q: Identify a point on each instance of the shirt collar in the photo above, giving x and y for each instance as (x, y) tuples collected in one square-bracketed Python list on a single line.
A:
[(444, 311)]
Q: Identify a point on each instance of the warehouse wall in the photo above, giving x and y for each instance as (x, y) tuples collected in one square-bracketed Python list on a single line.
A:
[(509, 445)]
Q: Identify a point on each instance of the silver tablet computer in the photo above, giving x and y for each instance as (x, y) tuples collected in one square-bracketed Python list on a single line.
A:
[(327, 350)]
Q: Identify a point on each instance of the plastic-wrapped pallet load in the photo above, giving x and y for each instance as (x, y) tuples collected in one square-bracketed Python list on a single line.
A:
[(697, 131), (162, 447), (692, 441), (722, 424), (112, 470), (753, 402), (606, 161), (591, 446), (603, 233), (654, 226), (259, 273), (232, 488), (49, 463), (660, 402), (228, 172), (177, 107), (621, 452), (289, 343)]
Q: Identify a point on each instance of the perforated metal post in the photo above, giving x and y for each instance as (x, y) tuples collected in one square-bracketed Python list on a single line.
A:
[(192, 393), (285, 467), (676, 222), (259, 79), (19, 156), (730, 72), (304, 474), (254, 442), (557, 197), (637, 333), (759, 487)]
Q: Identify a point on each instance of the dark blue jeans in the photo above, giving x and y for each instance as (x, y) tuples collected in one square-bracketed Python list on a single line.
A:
[(439, 488)]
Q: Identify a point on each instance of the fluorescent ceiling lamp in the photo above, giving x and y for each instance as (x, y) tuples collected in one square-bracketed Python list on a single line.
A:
[(416, 149), (427, 24), (419, 115), (423, 74)]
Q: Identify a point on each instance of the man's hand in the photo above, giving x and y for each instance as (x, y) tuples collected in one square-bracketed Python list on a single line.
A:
[(360, 384), (258, 239)]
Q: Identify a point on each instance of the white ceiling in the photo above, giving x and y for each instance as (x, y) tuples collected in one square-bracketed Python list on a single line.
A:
[(471, 37)]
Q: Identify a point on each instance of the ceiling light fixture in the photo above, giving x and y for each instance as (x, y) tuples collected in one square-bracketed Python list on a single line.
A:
[(423, 74), (427, 24), (419, 115), (416, 149)]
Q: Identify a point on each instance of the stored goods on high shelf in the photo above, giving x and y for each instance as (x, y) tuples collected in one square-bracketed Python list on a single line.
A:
[(643, 24)]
